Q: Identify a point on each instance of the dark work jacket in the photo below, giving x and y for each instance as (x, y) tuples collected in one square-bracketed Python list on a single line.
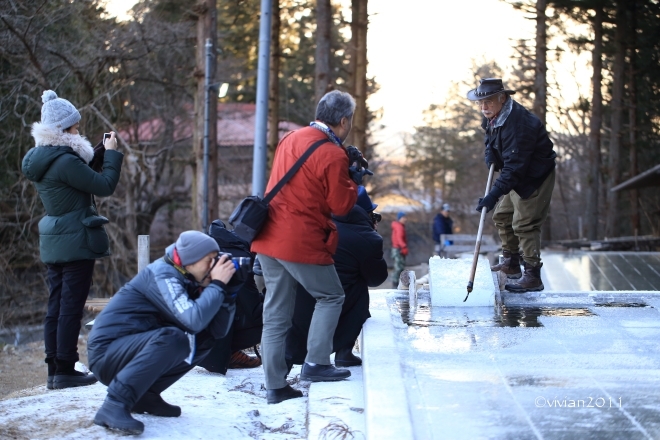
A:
[(521, 150), (359, 257), (161, 296), (441, 225)]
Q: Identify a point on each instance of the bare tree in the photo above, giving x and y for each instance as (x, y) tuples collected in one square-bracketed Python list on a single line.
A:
[(274, 82), (323, 80), (207, 28), (613, 161), (361, 21), (593, 172), (541, 67), (632, 113)]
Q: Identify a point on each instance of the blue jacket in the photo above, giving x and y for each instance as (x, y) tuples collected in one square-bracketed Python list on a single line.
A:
[(441, 225), (161, 296)]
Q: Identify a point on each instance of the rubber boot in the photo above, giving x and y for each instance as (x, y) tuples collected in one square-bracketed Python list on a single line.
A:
[(115, 416), (152, 403), (344, 357), (530, 281), (51, 372), (66, 376), (510, 266)]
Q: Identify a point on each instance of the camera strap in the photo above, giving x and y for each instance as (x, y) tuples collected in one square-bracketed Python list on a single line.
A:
[(294, 169)]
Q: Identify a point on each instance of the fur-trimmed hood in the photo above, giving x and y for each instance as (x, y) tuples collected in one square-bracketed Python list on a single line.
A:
[(51, 144), (54, 137)]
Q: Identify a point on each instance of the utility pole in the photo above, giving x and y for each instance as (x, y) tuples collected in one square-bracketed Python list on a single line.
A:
[(207, 106), (261, 117)]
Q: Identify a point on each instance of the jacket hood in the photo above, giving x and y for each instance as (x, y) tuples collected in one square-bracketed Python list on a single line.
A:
[(39, 159), (45, 136), (357, 215)]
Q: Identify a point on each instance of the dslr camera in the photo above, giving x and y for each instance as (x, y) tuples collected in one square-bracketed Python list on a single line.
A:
[(376, 217), (239, 262), (357, 165)]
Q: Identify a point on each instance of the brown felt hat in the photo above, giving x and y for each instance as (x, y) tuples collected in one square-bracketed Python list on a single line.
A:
[(488, 87)]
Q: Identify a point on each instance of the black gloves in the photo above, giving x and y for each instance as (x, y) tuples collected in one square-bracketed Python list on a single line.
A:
[(357, 165), (490, 200), (490, 159), (97, 161)]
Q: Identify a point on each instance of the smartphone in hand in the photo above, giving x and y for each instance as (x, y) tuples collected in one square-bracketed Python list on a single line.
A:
[(105, 137)]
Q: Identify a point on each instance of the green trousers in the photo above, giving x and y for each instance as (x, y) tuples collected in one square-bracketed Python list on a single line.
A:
[(399, 264), (519, 221)]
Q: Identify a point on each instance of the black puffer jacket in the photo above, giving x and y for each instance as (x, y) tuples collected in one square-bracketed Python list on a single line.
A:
[(521, 149), (359, 257), (161, 296)]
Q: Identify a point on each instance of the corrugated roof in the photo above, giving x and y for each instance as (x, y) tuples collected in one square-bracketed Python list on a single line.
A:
[(236, 122)]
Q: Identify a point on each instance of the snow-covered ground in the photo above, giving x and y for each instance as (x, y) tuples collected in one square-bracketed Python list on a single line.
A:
[(213, 406)]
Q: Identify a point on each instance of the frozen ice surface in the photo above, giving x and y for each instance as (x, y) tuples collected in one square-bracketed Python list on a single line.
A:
[(448, 280), (591, 376)]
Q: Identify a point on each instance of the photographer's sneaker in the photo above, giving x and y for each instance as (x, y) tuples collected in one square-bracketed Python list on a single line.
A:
[(323, 373)]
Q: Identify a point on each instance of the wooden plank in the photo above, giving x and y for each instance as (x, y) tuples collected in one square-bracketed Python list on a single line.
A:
[(95, 305)]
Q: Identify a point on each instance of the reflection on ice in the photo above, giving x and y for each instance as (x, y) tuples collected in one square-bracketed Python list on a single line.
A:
[(502, 316)]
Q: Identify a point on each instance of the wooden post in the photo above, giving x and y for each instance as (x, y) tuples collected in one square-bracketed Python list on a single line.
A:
[(143, 252)]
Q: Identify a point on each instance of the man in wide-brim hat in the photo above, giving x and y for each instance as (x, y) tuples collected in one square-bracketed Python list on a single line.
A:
[(518, 144)]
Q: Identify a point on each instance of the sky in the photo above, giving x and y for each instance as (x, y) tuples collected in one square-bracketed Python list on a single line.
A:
[(416, 48)]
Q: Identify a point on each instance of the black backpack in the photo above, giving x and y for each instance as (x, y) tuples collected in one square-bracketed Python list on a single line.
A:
[(249, 301)]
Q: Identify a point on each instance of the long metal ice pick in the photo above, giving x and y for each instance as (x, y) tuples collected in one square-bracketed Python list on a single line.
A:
[(477, 245)]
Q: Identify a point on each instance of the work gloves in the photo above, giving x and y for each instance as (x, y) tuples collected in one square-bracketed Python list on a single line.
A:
[(357, 165), (490, 200)]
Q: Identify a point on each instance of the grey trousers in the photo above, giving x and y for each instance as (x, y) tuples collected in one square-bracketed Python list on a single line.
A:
[(282, 278)]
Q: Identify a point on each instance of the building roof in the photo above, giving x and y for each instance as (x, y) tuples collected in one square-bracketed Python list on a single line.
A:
[(236, 124), (647, 178)]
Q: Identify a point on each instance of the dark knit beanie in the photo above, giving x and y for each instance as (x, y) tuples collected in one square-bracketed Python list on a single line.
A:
[(192, 246)]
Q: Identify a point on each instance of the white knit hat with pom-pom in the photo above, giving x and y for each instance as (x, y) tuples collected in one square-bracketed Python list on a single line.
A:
[(57, 112)]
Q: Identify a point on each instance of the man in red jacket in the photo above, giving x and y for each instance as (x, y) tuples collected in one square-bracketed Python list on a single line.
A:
[(299, 238), (399, 247)]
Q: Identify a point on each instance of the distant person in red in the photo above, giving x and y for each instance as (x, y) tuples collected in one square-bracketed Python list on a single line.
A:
[(399, 247)]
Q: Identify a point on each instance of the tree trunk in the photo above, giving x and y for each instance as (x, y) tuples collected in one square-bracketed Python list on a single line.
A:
[(613, 163), (541, 69), (360, 79), (632, 116), (274, 83), (352, 55), (593, 174), (322, 67), (206, 28), (540, 86)]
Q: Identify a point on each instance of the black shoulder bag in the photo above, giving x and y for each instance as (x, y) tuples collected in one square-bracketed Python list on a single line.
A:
[(250, 215)]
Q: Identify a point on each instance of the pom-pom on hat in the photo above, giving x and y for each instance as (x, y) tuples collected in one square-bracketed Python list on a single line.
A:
[(192, 246), (57, 112), (364, 201)]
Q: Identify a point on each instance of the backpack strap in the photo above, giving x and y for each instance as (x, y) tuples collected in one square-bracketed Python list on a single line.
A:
[(294, 169)]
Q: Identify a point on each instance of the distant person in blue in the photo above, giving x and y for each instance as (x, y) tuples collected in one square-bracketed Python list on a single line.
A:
[(442, 224)]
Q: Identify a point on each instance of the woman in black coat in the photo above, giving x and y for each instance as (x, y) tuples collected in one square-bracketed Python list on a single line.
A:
[(360, 265)]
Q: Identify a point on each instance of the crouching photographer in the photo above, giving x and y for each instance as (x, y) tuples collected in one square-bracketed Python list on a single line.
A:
[(245, 332), (158, 327)]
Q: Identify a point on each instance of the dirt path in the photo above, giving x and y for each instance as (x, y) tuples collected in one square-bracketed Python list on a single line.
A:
[(23, 367)]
